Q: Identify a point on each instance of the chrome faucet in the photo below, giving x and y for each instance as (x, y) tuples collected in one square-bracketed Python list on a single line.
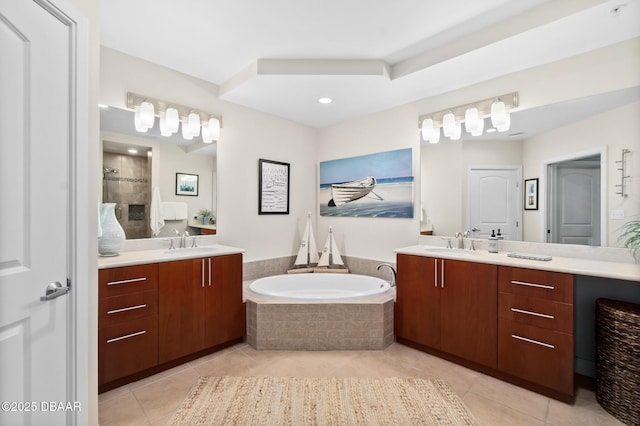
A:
[(183, 239), (393, 273), (460, 236)]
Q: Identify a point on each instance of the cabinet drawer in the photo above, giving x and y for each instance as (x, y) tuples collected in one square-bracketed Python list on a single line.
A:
[(533, 283), (535, 354), (538, 312), (127, 348), (127, 307), (128, 279)]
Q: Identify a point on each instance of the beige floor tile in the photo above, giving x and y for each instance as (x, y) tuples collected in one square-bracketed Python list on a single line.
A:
[(162, 397), (154, 400), (492, 413), (230, 363), (124, 410), (115, 393), (525, 401), (585, 411), (160, 376)]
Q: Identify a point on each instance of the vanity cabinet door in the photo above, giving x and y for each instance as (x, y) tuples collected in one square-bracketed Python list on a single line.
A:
[(224, 310), (469, 311), (200, 305), (448, 305), (181, 309), (417, 307)]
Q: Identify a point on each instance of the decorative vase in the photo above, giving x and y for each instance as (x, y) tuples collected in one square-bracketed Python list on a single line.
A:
[(112, 239), (205, 220)]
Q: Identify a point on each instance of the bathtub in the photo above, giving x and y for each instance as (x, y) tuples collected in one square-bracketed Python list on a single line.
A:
[(319, 286)]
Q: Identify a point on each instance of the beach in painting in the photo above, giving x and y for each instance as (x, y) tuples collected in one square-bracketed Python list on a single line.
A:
[(392, 195), (397, 202)]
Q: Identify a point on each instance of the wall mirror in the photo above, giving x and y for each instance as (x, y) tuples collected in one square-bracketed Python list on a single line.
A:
[(134, 164), (542, 142)]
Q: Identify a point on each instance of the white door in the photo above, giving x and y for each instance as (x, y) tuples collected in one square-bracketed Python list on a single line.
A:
[(494, 202), (577, 204), (36, 122)]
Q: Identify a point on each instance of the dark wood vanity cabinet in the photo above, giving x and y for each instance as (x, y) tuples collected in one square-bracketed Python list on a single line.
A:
[(514, 323), (151, 316), (127, 321), (535, 327), (448, 305), (200, 305)]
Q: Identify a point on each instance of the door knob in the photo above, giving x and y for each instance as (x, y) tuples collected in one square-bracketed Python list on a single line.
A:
[(54, 289), (475, 229)]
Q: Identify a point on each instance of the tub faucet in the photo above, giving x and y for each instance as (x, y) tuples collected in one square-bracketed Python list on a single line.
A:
[(393, 273)]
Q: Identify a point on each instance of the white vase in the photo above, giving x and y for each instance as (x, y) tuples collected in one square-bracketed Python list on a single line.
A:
[(112, 239)]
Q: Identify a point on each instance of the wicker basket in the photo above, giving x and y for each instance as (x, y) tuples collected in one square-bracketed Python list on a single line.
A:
[(618, 359)]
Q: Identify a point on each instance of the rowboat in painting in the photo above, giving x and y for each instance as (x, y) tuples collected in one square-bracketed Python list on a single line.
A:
[(343, 193)]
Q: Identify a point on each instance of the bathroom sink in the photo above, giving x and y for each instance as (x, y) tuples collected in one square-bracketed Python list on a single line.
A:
[(190, 250)]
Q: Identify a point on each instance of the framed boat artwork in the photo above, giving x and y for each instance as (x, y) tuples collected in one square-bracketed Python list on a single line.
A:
[(373, 185), (273, 187)]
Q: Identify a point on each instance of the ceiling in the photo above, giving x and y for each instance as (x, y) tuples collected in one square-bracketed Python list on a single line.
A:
[(280, 56)]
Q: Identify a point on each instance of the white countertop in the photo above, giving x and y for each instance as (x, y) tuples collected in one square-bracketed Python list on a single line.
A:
[(577, 266), (139, 257)]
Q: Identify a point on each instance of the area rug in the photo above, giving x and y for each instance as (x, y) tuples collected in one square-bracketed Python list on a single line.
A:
[(321, 401)]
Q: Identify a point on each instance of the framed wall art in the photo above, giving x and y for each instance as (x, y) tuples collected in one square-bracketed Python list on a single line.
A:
[(186, 184), (273, 187), (372, 185), (531, 194)]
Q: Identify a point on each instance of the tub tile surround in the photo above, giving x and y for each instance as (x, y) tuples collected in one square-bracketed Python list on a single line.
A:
[(320, 326), (280, 265)]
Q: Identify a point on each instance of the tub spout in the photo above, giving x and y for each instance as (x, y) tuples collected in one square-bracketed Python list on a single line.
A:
[(393, 273)]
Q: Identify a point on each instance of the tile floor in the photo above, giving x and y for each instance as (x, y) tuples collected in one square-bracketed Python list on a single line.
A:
[(153, 400)]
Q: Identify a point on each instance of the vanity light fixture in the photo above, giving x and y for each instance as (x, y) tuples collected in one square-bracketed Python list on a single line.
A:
[(473, 114), (449, 124), (171, 116)]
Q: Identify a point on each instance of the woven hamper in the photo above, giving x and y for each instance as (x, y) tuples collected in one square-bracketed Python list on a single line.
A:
[(618, 359)]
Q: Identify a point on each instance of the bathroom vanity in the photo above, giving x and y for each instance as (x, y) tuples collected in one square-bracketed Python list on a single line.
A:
[(506, 317), (161, 308)]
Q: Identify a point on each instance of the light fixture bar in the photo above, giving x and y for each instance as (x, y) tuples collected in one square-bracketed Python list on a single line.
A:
[(134, 101), (484, 109)]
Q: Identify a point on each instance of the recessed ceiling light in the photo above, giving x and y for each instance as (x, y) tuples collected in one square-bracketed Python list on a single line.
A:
[(325, 100), (132, 151)]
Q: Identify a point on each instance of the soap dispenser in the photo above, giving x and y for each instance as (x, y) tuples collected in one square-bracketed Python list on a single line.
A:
[(499, 235), (492, 246)]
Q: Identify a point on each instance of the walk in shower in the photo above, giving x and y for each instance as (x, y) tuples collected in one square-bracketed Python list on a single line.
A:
[(126, 181)]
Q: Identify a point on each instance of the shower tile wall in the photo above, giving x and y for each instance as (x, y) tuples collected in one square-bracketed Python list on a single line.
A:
[(131, 186)]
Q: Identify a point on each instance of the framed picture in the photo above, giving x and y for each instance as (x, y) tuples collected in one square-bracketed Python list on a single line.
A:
[(186, 184), (273, 187), (531, 194), (371, 185)]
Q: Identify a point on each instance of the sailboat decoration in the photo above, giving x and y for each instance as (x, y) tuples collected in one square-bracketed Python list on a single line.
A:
[(308, 251), (331, 260)]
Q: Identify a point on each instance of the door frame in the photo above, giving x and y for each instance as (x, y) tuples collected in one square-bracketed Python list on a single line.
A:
[(519, 202), (546, 191), (82, 321)]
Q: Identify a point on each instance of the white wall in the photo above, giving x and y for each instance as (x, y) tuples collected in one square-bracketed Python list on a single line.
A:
[(246, 136)]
